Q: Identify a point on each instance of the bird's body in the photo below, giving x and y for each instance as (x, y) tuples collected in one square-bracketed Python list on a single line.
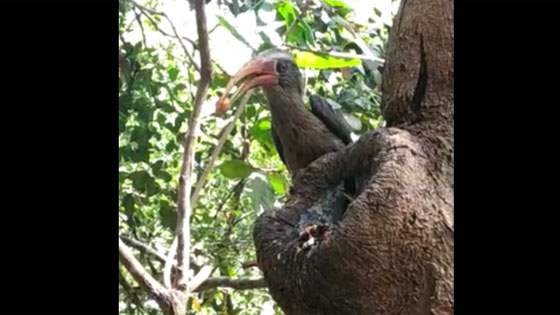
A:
[(300, 136)]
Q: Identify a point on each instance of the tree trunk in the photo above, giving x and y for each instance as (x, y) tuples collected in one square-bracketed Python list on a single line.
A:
[(391, 252)]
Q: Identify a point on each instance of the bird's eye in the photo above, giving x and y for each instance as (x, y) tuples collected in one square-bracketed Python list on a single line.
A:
[(282, 67)]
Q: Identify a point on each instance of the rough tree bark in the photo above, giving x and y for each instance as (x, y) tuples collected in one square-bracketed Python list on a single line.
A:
[(392, 250)]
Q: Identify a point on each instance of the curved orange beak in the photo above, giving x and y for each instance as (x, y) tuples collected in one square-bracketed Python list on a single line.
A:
[(258, 72)]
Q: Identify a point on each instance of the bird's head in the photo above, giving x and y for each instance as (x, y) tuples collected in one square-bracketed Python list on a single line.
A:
[(274, 70)]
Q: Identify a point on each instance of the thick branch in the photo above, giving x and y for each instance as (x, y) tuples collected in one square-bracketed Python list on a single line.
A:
[(238, 284), (200, 277), (218, 149), (146, 281), (183, 202)]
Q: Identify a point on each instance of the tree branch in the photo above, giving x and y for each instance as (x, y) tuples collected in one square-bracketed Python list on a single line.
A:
[(229, 194), (169, 262), (137, 16), (227, 130), (129, 290), (339, 54), (164, 33), (360, 42), (200, 277), (185, 179), (143, 248), (143, 9), (238, 284), (144, 279)]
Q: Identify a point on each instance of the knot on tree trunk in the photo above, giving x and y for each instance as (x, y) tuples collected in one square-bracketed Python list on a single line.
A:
[(390, 251)]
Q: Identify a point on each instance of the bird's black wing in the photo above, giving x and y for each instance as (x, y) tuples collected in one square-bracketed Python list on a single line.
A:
[(277, 144), (332, 119)]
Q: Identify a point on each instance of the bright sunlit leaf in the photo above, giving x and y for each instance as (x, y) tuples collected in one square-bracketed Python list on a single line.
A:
[(306, 59)]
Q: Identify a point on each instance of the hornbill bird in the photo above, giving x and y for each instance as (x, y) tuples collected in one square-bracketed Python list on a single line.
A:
[(300, 136)]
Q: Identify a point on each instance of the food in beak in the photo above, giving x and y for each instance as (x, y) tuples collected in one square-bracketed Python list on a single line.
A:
[(258, 72)]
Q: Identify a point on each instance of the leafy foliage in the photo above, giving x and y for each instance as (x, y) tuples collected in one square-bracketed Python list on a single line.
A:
[(156, 91)]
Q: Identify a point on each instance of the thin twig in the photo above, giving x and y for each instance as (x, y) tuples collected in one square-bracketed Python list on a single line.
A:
[(218, 149), (241, 219), (179, 38), (338, 54), (185, 179), (238, 284), (137, 16), (143, 247), (298, 18), (129, 291), (360, 42), (230, 193), (164, 33)]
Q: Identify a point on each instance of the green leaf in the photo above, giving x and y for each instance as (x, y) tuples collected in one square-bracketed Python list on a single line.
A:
[(173, 73), (250, 111), (264, 38), (302, 33), (261, 132), (137, 48), (159, 172), (266, 6), (306, 59), (140, 135), (163, 175), (219, 80), (140, 179), (122, 176), (278, 183), (261, 193), (167, 215), (235, 169), (145, 114), (354, 123), (157, 165), (122, 125), (128, 204), (287, 12), (307, 33), (336, 3), (377, 77), (171, 146), (125, 103), (263, 124), (233, 31), (179, 87), (152, 187), (140, 155)]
